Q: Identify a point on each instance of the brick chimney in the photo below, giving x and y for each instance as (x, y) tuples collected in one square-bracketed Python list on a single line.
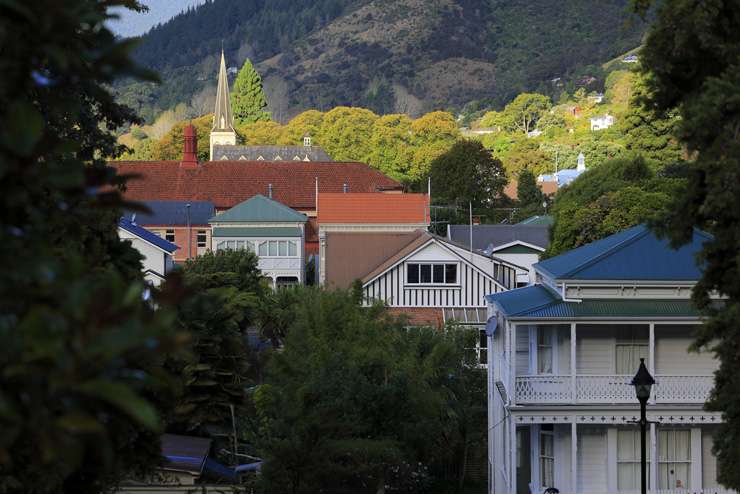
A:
[(190, 149)]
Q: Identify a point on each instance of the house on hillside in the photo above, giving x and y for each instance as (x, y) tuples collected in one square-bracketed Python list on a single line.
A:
[(520, 245), (564, 177), (184, 223), (273, 231), (631, 59), (562, 354), (601, 122), (156, 252), (365, 213)]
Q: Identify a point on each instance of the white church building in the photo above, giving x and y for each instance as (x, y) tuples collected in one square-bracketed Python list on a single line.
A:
[(561, 408)]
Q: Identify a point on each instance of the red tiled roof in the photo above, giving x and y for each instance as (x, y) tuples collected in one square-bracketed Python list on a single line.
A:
[(548, 188), (373, 208), (227, 183)]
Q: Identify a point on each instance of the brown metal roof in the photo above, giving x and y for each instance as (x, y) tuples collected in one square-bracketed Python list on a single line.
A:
[(351, 256)]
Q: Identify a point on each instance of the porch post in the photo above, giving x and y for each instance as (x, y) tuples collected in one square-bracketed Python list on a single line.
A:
[(653, 458), (573, 393), (573, 455), (512, 453), (512, 365), (651, 357)]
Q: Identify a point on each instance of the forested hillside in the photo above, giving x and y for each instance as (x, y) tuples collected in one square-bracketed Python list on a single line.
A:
[(408, 56)]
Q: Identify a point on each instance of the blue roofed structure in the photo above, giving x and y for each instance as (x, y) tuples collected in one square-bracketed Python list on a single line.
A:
[(173, 213), (147, 236), (634, 254)]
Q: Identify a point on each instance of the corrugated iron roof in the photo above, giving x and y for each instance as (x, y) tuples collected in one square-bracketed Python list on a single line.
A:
[(485, 236), (271, 231), (634, 254), (373, 208), (173, 213), (259, 209), (147, 236)]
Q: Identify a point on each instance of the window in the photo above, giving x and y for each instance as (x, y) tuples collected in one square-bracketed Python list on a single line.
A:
[(547, 456), (276, 248), (628, 460), (431, 274), (169, 235), (544, 350), (674, 458), (201, 238), (632, 344)]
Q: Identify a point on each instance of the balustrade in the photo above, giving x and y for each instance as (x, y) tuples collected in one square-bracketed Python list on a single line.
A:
[(609, 389)]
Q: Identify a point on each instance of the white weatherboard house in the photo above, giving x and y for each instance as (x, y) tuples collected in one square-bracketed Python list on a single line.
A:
[(156, 251), (561, 410), (273, 231)]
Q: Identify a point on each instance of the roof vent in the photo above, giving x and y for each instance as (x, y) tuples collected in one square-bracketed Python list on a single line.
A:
[(269, 191), (345, 188)]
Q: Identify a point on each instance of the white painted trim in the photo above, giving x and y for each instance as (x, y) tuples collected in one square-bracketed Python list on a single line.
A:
[(574, 457), (651, 354), (517, 242), (653, 456), (611, 455), (573, 362)]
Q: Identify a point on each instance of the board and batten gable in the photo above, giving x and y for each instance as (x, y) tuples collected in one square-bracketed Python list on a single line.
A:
[(474, 279)]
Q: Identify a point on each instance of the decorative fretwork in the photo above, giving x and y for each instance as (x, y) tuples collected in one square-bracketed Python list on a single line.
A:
[(698, 417), (548, 389)]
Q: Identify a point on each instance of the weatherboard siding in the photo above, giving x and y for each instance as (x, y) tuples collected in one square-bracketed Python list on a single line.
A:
[(392, 289), (592, 460), (672, 355)]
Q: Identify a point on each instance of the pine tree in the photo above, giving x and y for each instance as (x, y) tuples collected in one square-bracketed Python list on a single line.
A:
[(248, 99)]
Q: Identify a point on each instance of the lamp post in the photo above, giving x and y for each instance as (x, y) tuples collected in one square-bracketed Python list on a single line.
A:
[(643, 382)]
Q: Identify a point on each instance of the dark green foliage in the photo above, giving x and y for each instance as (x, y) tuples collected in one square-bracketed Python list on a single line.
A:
[(529, 195), (81, 380), (692, 60), (355, 401), (608, 199), (467, 172), (225, 288), (248, 100)]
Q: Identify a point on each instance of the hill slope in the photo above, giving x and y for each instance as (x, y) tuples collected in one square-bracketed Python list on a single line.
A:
[(389, 55)]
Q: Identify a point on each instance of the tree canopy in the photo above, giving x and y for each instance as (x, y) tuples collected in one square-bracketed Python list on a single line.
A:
[(467, 172), (691, 61), (248, 100)]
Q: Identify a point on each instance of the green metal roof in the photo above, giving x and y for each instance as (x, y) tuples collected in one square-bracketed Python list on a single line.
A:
[(260, 209), (274, 231), (539, 302), (538, 220)]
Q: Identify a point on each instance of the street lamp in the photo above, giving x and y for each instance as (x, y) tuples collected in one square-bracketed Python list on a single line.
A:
[(643, 382)]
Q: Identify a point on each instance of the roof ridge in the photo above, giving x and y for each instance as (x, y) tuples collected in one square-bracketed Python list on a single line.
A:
[(611, 250)]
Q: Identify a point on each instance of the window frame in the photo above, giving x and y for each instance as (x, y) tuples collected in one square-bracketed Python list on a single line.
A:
[(169, 234), (634, 463), (201, 235), (668, 462), (276, 243), (445, 268), (542, 458)]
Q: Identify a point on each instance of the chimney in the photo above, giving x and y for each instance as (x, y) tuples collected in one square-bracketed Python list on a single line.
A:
[(190, 148), (345, 188), (269, 191)]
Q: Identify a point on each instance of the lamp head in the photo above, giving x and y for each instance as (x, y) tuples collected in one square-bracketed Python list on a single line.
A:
[(642, 382)]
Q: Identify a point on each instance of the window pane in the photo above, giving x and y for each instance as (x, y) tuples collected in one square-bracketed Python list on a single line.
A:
[(425, 273), (273, 248), (412, 273), (249, 246), (451, 273), (438, 271), (220, 245), (292, 249), (169, 235), (263, 249), (283, 248)]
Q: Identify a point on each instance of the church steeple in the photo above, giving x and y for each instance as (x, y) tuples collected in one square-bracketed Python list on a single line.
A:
[(222, 132)]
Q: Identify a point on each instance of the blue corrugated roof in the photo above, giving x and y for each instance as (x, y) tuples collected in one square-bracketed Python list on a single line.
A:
[(260, 209), (173, 213), (146, 235), (538, 302), (634, 254), (513, 302)]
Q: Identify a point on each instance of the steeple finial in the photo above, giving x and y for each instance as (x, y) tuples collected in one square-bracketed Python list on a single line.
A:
[(222, 116)]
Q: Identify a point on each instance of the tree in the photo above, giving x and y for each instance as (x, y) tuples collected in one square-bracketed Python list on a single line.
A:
[(248, 100), (608, 199), (467, 172), (691, 64), (354, 400), (433, 134), (226, 287), (81, 387), (529, 195), (392, 149), (171, 146), (523, 113), (345, 133)]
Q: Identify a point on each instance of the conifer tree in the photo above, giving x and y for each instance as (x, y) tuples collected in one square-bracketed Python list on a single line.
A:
[(248, 100)]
